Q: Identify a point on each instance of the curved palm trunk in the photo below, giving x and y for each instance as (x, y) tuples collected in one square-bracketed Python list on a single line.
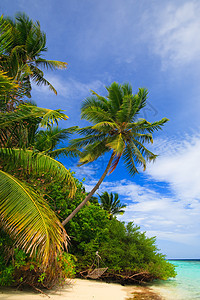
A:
[(91, 193)]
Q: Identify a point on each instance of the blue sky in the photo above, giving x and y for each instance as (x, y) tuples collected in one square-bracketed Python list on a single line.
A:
[(148, 43)]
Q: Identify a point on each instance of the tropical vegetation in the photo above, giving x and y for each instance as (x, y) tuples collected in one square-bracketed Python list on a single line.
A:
[(38, 195), (25, 215), (123, 248)]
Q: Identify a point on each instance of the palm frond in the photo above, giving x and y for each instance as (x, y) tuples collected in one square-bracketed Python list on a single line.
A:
[(38, 164), (88, 130), (24, 111), (129, 161), (117, 144), (50, 64), (138, 157), (29, 220), (7, 85), (105, 126), (6, 38), (84, 141), (47, 140), (38, 77), (95, 114), (126, 108), (155, 126), (144, 137), (95, 101), (111, 204), (92, 152), (149, 156), (65, 152), (115, 95)]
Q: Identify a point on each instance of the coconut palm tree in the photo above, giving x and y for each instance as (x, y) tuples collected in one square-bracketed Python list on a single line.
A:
[(24, 214), (111, 204), (22, 55), (115, 129)]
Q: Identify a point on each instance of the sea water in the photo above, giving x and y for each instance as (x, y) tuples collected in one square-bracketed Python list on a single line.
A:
[(185, 286)]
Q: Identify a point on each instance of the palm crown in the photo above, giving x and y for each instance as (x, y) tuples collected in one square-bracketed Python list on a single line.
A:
[(24, 43), (116, 127), (111, 203)]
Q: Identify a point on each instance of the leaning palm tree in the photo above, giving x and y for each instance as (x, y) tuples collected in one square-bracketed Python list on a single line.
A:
[(115, 128), (22, 56), (24, 214), (111, 204)]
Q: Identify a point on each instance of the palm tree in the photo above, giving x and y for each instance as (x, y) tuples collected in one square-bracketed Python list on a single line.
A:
[(111, 204), (24, 43), (116, 129), (24, 214)]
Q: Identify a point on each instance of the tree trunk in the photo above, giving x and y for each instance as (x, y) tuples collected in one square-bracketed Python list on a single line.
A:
[(91, 193)]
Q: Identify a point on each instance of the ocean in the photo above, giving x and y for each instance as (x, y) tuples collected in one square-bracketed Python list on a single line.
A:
[(185, 286)]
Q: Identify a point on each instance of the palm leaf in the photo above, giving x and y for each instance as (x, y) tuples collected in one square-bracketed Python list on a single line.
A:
[(137, 155), (123, 115), (106, 126), (95, 101), (38, 77), (117, 144), (51, 64), (155, 126), (115, 95), (96, 114), (150, 156), (24, 111), (64, 152), (129, 161), (92, 152), (38, 164), (29, 220), (84, 141), (7, 85)]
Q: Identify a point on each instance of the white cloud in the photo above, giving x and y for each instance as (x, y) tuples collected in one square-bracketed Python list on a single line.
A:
[(170, 213), (86, 172), (70, 88), (166, 217), (180, 167), (175, 33)]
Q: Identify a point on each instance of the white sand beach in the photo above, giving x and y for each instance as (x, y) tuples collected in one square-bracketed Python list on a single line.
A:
[(82, 289), (77, 289)]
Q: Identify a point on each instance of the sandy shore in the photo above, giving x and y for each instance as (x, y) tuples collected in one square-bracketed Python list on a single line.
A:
[(81, 289)]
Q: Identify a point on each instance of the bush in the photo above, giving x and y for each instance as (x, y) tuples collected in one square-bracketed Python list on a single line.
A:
[(16, 268), (123, 248)]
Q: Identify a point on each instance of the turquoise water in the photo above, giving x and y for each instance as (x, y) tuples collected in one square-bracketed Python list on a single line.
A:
[(186, 285)]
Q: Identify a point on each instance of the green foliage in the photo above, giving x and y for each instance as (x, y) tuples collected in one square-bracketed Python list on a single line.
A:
[(123, 248), (10, 259), (126, 248), (16, 267), (68, 265)]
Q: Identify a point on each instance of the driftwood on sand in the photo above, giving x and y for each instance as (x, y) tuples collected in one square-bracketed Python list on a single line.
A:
[(127, 277)]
